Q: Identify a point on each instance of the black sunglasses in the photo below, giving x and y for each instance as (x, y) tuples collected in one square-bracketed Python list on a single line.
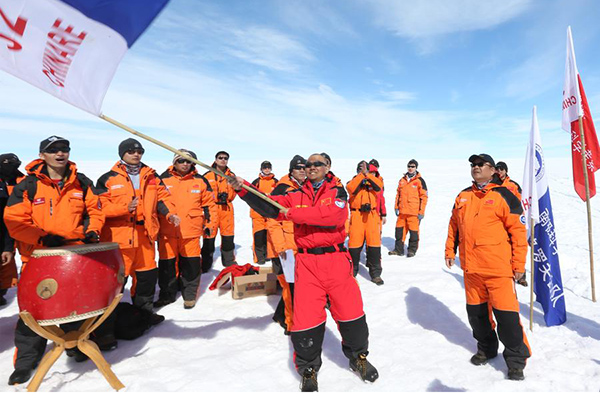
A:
[(134, 151), (183, 161), (412, 166), (298, 167), (223, 158), (315, 164), (57, 149), (479, 164)]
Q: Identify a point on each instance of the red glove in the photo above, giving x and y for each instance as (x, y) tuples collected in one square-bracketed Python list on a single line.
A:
[(372, 168), (235, 271)]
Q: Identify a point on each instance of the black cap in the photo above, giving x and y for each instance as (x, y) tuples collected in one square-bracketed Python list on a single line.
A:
[(374, 162), (52, 140), (129, 144), (221, 152), (502, 165), (327, 158), (413, 161), (265, 164), (485, 157), (10, 158), (297, 161)]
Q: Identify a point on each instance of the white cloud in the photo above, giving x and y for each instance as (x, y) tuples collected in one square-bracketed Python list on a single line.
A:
[(427, 18)]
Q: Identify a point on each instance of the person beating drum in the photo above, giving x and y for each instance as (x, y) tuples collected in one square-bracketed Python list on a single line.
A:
[(54, 205)]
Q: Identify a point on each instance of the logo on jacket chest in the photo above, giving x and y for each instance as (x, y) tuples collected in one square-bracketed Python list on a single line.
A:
[(326, 202), (39, 201)]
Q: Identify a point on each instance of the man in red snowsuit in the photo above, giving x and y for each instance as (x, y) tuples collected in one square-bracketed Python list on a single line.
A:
[(319, 211)]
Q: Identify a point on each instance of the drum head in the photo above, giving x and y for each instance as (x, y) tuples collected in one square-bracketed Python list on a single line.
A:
[(76, 249)]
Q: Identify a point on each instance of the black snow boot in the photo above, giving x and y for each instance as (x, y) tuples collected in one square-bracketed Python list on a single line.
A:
[(413, 243), (20, 375), (515, 374), (480, 358), (366, 370), (309, 381)]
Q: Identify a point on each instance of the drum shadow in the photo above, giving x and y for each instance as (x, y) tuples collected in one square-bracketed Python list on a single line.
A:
[(169, 329), (7, 332)]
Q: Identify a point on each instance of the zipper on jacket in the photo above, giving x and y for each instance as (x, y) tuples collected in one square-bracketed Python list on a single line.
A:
[(50, 207)]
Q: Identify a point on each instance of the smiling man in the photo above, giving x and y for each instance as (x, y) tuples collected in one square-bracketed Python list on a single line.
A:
[(487, 228), (54, 205), (319, 210)]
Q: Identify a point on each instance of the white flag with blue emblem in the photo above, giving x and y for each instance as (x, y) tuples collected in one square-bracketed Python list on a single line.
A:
[(547, 280)]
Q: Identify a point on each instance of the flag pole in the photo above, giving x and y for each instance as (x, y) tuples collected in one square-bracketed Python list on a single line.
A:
[(589, 209), (531, 280), (187, 157)]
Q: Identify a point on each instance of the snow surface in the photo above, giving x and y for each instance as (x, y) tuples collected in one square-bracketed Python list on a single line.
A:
[(420, 339)]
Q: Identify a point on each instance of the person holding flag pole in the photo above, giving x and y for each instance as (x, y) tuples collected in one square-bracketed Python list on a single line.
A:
[(545, 266), (585, 151)]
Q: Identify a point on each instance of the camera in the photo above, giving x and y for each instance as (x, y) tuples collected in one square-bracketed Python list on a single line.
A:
[(365, 207), (222, 198)]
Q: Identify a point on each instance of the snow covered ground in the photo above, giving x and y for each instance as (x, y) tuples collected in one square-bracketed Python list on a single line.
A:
[(420, 339)]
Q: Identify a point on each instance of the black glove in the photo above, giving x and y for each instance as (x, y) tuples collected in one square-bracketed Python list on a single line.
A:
[(51, 240), (365, 182), (91, 237), (206, 232)]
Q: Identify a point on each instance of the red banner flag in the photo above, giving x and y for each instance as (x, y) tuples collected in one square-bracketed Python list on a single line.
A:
[(592, 149), (574, 106)]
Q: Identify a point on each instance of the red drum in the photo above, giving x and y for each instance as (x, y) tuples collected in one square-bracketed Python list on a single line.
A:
[(71, 283)]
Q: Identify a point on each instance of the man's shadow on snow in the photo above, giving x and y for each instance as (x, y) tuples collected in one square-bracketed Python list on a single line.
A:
[(425, 310), (389, 243), (438, 386)]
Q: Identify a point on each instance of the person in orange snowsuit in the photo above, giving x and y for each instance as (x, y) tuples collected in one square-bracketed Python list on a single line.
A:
[(502, 172), (411, 200), (365, 221), (488, 229), (381, 209), (53, 206), (179, 246), (265, 182), (132, 195), (281, 235), (224, 196), (9, 177)]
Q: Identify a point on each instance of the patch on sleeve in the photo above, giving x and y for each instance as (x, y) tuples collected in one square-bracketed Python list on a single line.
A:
[(340, 203), (523, 220)]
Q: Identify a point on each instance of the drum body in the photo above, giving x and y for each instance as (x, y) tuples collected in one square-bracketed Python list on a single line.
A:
[(71, 283)]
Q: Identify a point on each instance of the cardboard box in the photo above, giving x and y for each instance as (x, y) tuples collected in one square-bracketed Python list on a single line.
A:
[(262, 284)]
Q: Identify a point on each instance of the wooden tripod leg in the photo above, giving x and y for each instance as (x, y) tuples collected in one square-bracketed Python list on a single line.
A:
[(90, 349), (45, 365)]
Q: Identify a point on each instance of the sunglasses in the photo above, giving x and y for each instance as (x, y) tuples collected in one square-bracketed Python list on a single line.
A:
[(314, 164), (412, 166), (479, 164), (57, 149), (222, 158), (135, 151), (183, 161), (299, 167)]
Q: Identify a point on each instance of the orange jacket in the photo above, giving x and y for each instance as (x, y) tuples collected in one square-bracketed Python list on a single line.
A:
[(193, 202), (38, 206), (281, 232), (116, 191), (363, 189), (512, 186), (411, 195), (220, 185), (487, 228), (265, 184)]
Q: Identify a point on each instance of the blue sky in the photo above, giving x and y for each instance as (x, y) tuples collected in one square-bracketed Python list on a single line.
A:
[(355, 78)]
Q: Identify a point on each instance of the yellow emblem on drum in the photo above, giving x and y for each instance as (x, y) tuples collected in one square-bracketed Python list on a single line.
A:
[(47, 288)]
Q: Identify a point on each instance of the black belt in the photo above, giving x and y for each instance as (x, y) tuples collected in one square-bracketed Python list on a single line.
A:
[(141, 222), (322, 250)]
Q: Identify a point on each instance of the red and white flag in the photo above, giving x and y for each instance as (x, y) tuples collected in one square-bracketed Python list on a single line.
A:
[(575, 105)]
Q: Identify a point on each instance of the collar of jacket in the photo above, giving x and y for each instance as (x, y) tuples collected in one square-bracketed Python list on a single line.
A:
[(40, 170), (120, 169), (266, 177), (417, 175), (492, 184), (327, 184), (227, 170), (176, 174)]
